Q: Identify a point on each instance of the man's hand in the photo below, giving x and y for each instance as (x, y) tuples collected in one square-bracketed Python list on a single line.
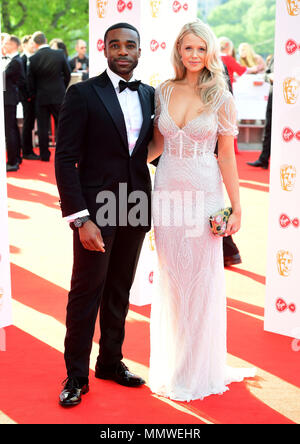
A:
[(90, 237)]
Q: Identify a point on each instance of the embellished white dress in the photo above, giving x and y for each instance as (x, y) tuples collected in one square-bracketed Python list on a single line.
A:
[(188, 312)]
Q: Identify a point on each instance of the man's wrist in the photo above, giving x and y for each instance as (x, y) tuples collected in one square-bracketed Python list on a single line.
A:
[(79, 222)]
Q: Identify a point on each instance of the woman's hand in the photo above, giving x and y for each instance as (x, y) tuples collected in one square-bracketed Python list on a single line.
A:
[(234, 223)]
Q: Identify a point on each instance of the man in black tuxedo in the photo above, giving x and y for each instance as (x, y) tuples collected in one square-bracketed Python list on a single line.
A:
[(231, 254), (14, 80), (264, 158), (28, 103), (48, 77), (104, 129)]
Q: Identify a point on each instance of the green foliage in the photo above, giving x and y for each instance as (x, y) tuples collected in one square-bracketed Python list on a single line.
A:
[(250, 21), (64, 19)]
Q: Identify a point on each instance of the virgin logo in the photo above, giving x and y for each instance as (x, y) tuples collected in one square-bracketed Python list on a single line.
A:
[(121, 5), (177, 6), (100, 45), (285, 221), (151, 277), (281, 306), (291, 46), (154, 45), (288, 134)]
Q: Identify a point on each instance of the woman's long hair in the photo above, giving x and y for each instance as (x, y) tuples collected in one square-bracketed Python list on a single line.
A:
[(211, 81), (250, 59)]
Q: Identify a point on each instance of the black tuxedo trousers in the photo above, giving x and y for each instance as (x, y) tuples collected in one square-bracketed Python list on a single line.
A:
[(44, 113), (100, 280), (12, 134), (28, 126)]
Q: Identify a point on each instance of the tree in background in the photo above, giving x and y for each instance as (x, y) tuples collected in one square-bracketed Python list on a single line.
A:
[(65, 19), (251, 21)]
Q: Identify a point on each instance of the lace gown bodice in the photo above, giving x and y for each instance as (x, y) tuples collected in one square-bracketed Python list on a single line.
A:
[(192, 147), (199, 135), (188, 312)]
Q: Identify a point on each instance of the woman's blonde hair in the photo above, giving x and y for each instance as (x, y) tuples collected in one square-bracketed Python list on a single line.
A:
[(250, 59), (211, 80)]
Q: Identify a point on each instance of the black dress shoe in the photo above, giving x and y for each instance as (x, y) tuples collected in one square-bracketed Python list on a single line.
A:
[(10, 168), (232, 260), (31, 156), (71, 394), (121, 375), (259, 163)]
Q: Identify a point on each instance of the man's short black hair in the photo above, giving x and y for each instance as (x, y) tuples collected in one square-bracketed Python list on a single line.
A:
[(15, 39), (39, 38), (122, 25)]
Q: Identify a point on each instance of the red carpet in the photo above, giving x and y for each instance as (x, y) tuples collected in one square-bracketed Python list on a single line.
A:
[(32, 368)]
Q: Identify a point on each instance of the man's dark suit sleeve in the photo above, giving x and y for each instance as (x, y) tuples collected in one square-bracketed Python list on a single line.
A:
[(31, 84), (22, 85), (70, 137), (14, 71)]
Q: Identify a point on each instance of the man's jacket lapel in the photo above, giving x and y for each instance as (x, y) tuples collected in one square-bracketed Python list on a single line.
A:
[(107, 95)]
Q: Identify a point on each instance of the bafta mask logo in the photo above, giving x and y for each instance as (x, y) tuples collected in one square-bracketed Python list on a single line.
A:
[(290, 90), (154, 80), (284, 262), (1, 298), (293, 7), (152, 170), (102, 6), (155, 6), (287, 177), (151, 240)]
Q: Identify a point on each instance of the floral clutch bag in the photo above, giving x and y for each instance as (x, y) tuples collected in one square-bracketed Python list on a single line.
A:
[(218, 221)]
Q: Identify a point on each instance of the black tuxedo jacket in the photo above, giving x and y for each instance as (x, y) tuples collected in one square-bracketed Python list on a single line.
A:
[(24, 93), (92, 152), (48, 76), (14, 81)]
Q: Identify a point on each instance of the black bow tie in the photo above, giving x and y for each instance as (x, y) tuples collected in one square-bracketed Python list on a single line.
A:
[(134, 86)]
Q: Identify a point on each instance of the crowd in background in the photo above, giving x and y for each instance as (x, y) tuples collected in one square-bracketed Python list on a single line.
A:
[(37, 77), (36, 74)]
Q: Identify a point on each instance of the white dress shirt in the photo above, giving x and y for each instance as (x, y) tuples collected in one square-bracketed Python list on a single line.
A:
[(133, 116), (7, 59), (28, 55)]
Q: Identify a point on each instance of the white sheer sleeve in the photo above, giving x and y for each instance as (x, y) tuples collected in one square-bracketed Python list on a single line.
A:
[(227, 116), (157, 105)]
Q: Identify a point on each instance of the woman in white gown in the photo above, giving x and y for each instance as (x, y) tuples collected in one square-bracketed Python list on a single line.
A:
[(188, 314)]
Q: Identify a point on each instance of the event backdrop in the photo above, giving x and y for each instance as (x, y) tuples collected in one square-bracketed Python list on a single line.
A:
[(5, 286), (282, 308), (159, 22)]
